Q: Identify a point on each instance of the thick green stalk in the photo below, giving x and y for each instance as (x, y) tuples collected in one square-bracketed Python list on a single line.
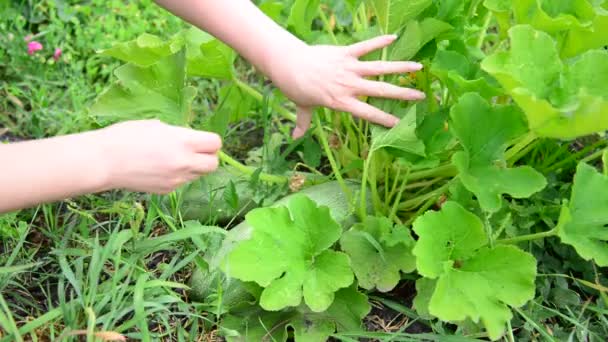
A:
[(250, 170), (374, 188), (447, 170), (332, 161), (484, 30), (520, 145), (414, 202), (393, 213), (327, 26), (528, 237), (363, 192), (260, 98)]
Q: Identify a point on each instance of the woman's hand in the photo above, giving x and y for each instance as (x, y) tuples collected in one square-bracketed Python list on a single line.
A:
[(151, 156), (334, 77), (330, 76)]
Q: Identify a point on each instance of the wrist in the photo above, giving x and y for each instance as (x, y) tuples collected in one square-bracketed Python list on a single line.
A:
[(101, 161), (277, 55)]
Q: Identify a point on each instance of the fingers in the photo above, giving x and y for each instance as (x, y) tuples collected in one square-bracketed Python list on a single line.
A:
[(203, 142), (201, 163), (370, 113), (303, 118), (377, 68), (387, 90), (363, 48)]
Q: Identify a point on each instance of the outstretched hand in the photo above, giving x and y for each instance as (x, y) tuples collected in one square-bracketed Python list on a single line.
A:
[(334, 77)]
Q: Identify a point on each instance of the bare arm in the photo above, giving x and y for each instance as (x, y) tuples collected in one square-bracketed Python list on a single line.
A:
[(48, 170), (240, 24), (145, 155), (311, 76)]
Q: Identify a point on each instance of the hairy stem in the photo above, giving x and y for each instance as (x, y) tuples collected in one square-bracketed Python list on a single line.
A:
[(248, 170), (260, 98), (528, 237), (330, 156)]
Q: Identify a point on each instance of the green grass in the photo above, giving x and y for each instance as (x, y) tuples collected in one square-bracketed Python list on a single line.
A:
[(119, 262)]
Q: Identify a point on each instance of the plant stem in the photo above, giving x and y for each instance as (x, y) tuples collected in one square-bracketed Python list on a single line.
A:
[(447, 170), (330, 156), (414, 202), (393, 213), (327, 26), (250, 170), (595, 155), (521, 144), (422, 209), (574, 156), (528, 237), (363, 192), (484, 29), (374, 188), (260, 98)]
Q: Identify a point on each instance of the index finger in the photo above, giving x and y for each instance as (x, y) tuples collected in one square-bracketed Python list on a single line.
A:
[(363, 48), (203, 142), (370, 113)]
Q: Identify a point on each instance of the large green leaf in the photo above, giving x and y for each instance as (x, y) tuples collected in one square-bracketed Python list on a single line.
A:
[(558, 103), (461, 75), (484, 132), (583, 223), (474, 281), (156, 91), (207, 56), (553, 15), (415, 36), (579, 25), (591, 37), (393, 15), (302, 14), (145, 50), (345, 314), (379, 252), (401, 138), (288, 254)]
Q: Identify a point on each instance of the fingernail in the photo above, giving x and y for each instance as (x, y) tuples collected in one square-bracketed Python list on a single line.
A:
[(416, 65), (297, 133), (417, 95), (393, 36)]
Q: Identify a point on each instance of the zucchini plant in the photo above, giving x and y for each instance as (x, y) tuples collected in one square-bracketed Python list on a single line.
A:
[(431, 198)]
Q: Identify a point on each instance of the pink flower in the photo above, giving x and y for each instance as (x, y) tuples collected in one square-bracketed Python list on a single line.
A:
[(33, 46), (57, 54)]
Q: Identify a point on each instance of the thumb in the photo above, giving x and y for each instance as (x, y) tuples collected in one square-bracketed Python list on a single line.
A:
[(303, 118)]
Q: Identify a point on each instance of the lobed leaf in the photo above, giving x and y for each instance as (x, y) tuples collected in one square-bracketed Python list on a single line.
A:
[(583, 222), (559, 100), (473, 281), (345, 314), (156, 91), (484, 132), (393, 15), (379, 252), (288, 254)]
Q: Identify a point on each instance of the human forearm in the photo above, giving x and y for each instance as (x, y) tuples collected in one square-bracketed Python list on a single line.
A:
[(240, 24), (142, 155), (48, 170), (309, 75)]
